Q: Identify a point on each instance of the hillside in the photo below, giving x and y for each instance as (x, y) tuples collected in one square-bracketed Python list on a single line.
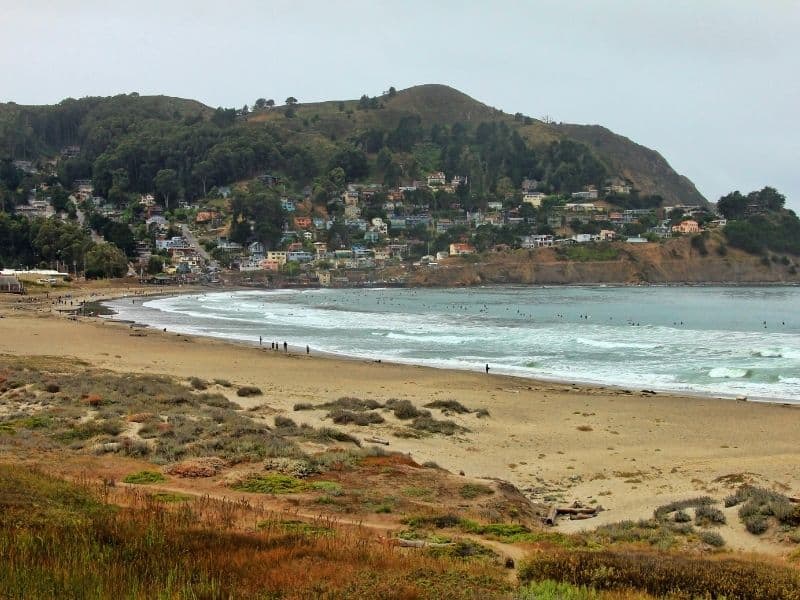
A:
[(427, 127)]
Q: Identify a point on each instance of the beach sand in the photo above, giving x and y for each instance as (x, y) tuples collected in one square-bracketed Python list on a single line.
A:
[(628, 451)]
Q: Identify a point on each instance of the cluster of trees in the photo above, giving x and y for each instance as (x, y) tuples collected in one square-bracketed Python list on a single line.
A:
[(48, 243), (131, 145), (257, 214), (493, 156), (735, 205), (758, 222)]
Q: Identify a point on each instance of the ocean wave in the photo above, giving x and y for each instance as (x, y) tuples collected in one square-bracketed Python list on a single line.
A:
[(729, 373), (767, 353), (422, 337), (791, 380), (617, 345)]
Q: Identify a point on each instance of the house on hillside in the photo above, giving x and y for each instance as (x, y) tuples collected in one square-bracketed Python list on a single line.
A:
[(461, 249), (688, 226), (535, 199), (437, 178)]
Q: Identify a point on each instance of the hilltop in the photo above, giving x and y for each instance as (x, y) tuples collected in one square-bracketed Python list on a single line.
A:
[(317, 131)]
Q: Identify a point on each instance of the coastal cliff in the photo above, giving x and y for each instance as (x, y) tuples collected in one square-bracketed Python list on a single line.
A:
[(673, 262)]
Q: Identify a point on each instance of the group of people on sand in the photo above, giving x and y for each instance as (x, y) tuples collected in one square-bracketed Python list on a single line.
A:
[(276, 346)]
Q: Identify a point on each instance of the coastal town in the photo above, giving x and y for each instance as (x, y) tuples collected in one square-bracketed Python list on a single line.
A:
[(370, 233)]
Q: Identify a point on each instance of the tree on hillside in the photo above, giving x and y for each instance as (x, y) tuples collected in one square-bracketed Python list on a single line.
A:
[(105, 260), (166, 184), (260, 104), (270, 103), (352, 161), (732, 205), (291, 101)]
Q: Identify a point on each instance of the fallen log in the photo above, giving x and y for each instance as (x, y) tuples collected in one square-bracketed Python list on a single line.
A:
[(377, 440), (569, 510), (581, 517), (551, 517)]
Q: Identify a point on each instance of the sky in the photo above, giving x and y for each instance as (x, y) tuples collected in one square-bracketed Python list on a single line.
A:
[(713, 85)]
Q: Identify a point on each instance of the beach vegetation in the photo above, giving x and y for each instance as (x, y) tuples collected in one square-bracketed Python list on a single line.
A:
[(346, 417), (67, 540), (712, 538), (282, 422), (679, 505), (759, 506), (405, 410), (352, 404), (430, 425), (708, 515), (303, 406), (144, 477), (473, 490), (248, 390), (449, 406), (198, 384), (223, 383), (664, 575)]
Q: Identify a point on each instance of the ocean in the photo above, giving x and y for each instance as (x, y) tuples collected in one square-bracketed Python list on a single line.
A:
[(720, 341)]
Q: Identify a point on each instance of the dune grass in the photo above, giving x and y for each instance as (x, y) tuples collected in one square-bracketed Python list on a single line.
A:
[(59, 540)]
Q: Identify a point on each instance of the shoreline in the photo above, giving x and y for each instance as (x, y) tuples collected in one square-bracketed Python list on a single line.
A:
[(500, 371), (629, 452)]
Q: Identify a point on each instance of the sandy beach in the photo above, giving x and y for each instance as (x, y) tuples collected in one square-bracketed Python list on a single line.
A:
[(627, 450)]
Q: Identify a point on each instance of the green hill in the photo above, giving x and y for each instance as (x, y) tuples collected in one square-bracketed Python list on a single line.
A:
[(423, 128)]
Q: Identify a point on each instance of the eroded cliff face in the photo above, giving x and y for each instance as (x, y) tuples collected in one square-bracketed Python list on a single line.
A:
[(673, 262)]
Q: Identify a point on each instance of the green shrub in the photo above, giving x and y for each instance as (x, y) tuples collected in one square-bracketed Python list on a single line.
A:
[(284, 422), (755, 524), (712, 538), (197, 383), (273, 483), (353, 404), (404, 410), (682, 517), (248, 390), (473, 490), (553, 590), (431, 425), (707, 515), (144, 477), (448, 406), (344, 417), (662, 511)]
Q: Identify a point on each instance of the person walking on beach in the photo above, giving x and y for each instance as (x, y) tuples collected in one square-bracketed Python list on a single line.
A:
[(308, 350), (259, 340), (487, 368), (285, 347)]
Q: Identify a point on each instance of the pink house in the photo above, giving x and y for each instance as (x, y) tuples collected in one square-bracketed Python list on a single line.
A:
[(688, 226)]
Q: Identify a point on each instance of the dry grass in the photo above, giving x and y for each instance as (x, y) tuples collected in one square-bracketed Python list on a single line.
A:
[(673, 575), (62, 540)]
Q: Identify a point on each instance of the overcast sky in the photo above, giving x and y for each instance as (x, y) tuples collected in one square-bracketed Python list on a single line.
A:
[(713, 85)]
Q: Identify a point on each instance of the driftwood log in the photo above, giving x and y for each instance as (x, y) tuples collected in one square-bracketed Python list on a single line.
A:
[(377, 440), (569, 510), (575, 512)]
